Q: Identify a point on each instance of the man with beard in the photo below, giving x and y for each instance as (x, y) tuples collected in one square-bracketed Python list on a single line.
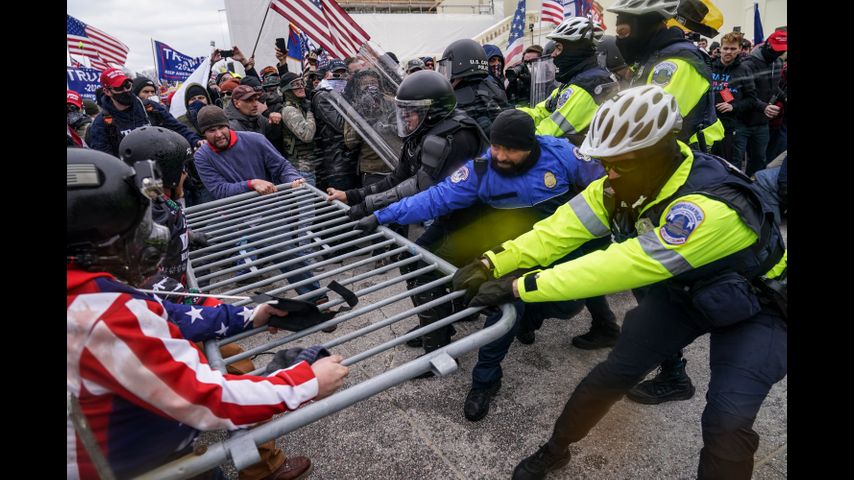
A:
[(693, 229), (522, 179), (584, 84), (122, 111)]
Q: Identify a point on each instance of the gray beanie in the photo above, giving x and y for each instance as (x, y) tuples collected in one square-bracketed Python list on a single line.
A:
[(211, 116)]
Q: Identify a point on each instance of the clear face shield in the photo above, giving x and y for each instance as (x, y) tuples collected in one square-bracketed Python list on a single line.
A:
[(542, 78), (444, 66), (410, 115)]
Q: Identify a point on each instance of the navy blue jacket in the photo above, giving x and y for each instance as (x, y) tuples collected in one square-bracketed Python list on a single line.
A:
[(106, 138), (558, 175)]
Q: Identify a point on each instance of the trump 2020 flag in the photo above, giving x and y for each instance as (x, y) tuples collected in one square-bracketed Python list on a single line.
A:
[(172, 65), (200, 76), (83, 81)]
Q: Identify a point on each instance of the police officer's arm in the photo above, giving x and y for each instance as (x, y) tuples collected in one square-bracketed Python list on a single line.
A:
[(453, 193), (399, 175), (686, 84), (662, 253), (303, 127), (539, 112), (574, 116), (581, 219)]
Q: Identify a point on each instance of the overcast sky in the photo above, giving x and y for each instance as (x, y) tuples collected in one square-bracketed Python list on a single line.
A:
[(188, 26)]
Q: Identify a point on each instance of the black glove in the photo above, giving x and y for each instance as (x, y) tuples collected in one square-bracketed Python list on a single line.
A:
[(306, 105), (358, 211), (198, 239), (367, 224), (494, 292), (470, 277)]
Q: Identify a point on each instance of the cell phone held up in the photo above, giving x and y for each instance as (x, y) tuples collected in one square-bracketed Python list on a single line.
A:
[(281, 45), (226, 53)]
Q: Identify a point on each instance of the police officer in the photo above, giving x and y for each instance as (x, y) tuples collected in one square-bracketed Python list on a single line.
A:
[(697, 232), (464, 63), (438, 139), (522, 179), (584, 84)]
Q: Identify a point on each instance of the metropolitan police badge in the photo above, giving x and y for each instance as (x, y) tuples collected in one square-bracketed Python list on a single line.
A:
[(563, 97), (663, 72), (460, 175), (681, 221)]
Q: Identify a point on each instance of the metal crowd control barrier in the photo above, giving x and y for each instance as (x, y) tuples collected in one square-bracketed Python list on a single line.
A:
[(286, 230)]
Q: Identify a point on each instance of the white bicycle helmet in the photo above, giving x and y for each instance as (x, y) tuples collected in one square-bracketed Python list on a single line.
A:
[(633, 119), (574, 29), (665, 8)]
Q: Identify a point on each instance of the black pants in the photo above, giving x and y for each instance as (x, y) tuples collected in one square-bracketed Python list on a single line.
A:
[(746, 359)]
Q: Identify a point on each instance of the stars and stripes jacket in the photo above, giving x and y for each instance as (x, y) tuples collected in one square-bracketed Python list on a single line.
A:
[(144, 388)]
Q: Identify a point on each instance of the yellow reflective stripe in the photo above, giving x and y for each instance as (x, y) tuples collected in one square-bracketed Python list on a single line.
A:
[(670, 259), (777, 269), (587, 217)]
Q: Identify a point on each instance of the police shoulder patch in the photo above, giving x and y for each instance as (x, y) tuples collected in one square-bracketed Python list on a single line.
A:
[(564, 96), (663, 72), (550, 180), (681, 221), (460, 175), (580, 155)]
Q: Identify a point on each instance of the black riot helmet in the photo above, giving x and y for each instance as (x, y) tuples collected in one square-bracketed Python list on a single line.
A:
[(423, 99), (168, 149), (463, 58), (108, 225)]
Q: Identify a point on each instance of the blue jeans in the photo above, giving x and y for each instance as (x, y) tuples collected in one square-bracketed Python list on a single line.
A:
[(487, 371), (746, 359), (314, 285), (753, 140)]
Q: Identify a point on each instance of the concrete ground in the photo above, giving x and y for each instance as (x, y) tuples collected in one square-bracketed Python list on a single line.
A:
[(417, 430)]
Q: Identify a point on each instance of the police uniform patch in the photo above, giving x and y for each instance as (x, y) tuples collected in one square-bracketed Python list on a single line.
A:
[(580, 156), (550, 180), (681, 221), (563, 97), (460, 175), (663, 72)]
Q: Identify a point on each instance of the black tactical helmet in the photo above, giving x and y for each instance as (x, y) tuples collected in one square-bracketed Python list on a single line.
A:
[(108, 224), (428, 94), (168, 149), (463, 58)]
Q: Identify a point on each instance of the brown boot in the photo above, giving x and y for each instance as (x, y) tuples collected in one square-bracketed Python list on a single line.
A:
[(294, 468)]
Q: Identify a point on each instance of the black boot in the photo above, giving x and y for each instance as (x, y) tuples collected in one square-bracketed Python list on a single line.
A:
[(603, 334), (436, 339), (417, 343), (537, 465), (478, 400), (671, 383)]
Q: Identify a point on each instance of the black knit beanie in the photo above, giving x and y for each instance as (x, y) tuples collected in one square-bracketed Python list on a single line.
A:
[(513, 129)]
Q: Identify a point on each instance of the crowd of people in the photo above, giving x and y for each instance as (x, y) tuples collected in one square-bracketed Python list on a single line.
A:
[(643, 167)]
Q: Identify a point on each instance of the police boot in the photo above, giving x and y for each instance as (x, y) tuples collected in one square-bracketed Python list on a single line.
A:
[(477, 401), (603, 333), (422, 298), (438, 338), (540, 463), (671, 383)]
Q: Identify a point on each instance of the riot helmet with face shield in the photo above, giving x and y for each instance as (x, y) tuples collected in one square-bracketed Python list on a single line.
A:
[(108, 225), (423, 99), (463, 58)]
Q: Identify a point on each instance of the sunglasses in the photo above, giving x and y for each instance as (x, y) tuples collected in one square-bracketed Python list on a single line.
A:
[(125, 87)]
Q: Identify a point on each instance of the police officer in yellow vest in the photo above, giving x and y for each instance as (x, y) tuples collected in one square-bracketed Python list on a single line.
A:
[(665, 58), (584, 84), (692, 228)]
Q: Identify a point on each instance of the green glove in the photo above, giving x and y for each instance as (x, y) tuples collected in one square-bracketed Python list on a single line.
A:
[(470, 277), (494, 292)]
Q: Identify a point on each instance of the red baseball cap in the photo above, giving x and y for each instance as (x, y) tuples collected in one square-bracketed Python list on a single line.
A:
[(73, 98), (779, 41), (113, 78)]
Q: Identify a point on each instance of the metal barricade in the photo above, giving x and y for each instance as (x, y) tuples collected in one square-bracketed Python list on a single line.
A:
[(295, 233)]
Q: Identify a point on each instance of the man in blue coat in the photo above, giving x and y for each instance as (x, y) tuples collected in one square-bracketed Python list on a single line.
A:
[(522, 179), (122, 111)]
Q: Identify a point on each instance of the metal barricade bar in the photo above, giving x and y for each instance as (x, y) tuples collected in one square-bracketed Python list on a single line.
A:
[(307, 237)]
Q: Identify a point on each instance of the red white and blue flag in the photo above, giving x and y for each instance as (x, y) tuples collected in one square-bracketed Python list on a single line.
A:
[(103, 50), (516, 42), (552, 12), (325, 23)]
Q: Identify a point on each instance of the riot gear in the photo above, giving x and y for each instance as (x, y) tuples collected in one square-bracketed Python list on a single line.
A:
[(169, 150), (424, 98), (463, 58), (108, 217)]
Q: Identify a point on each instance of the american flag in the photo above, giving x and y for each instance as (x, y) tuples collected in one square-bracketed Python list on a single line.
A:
[(552, 11), (580, 8), (90, 42), (75, 63), (326, 23), (516, 42)]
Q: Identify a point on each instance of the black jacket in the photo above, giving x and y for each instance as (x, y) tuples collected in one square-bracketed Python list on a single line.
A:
[(766, 78), (737, 78), (335, 158)]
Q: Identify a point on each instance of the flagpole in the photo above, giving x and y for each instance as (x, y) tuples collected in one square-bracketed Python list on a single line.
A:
[(261, 29), (154, 56)]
